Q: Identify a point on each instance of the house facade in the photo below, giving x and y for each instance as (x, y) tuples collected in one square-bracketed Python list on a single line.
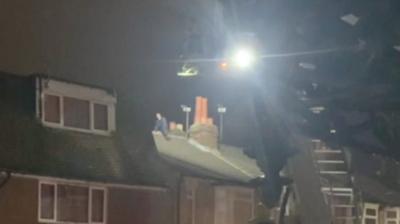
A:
[(203, 200), (61, 161), (216, 181), (39, 199)]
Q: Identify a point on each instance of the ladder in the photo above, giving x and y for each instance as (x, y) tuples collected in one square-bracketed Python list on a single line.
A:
[(336, 183)]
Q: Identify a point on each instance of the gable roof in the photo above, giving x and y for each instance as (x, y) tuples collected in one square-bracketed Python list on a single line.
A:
[(375, 191), (227, 162), (376, 177)]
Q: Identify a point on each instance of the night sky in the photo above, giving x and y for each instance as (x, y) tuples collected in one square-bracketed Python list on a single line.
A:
[(132, 45), (126, 45)]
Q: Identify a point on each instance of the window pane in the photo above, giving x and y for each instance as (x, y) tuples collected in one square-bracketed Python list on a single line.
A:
[(72, 203), (52, 108), (100, 117), (47, 201), (371, 212), (370, 221), (391, 214), (391, 222), (97, 206), (76, 113)]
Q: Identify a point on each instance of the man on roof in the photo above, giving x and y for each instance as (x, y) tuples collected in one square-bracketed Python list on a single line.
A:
[(161, 125)]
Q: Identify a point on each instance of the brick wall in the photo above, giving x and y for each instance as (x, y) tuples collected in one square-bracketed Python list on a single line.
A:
[(19, 204)]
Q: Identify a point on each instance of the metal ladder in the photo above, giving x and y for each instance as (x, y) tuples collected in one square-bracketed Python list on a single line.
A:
[(336, 183)]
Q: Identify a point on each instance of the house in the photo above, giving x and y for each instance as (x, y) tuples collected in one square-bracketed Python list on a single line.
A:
[(377, 179), (61, 160), (215, 181), (342, 185)]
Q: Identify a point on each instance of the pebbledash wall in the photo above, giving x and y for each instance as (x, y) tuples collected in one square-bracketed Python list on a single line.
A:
[(20, 202)]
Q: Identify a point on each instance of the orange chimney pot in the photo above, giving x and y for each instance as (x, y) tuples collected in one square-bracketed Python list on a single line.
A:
[(205, 108), (197, 115)]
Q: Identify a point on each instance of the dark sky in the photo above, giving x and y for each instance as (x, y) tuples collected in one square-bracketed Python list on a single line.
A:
[(121, 44), (127, 45)]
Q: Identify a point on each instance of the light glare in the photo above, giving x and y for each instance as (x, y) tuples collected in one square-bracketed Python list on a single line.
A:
[(244, 58)]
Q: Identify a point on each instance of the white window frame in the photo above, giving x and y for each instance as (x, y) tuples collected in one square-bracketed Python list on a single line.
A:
[(392, 209), (110, 116), (90, 188), (366, 216), (61, 108), (104, 204), (44, 220)]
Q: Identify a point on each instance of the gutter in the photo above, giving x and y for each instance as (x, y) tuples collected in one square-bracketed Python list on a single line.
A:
[(217, 155), (84, 182)]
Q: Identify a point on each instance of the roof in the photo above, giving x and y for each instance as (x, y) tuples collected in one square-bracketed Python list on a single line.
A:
[(376, 177), (227, 162), (375, 191), (28, 147)]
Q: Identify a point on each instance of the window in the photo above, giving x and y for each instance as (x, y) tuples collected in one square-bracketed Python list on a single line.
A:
[(370, 221), (47, 201), (65, 203), (72, 203), (52, 108), (76, 107), (98, 206), (370, 214), (100, 117), (392, 215), (76, 113)]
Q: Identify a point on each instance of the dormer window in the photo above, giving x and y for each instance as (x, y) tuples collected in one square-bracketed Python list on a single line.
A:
[(76, 113), (76, 107), (100, 116), (52, 109)]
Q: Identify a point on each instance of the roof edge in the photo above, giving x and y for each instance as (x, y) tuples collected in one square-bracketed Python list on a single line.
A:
[(105, 184), (46, 76)]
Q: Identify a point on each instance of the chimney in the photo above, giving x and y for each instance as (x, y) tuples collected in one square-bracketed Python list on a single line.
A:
[(172, 125), (203, 130), (198, 111), (204, 110)]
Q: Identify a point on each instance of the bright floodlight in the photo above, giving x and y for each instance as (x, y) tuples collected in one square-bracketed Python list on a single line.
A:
[(244, 58)]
